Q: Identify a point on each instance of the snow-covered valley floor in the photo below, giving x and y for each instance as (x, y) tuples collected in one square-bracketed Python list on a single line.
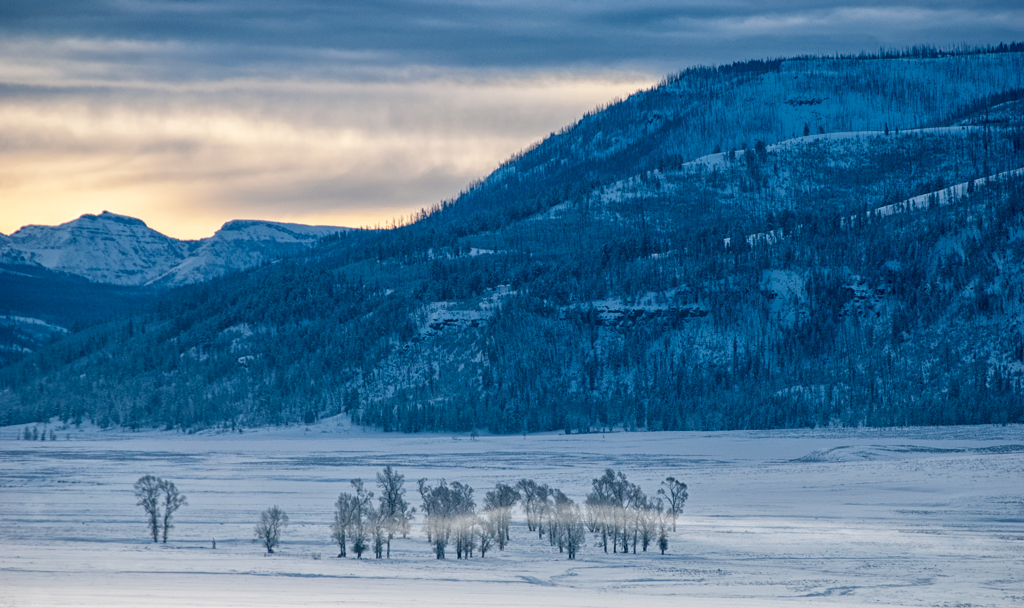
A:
[(845, 517)]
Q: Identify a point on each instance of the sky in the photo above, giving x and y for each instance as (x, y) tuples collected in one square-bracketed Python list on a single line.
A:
[(190, 113)]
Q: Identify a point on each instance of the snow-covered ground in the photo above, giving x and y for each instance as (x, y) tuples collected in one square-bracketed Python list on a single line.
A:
[(845, 517)]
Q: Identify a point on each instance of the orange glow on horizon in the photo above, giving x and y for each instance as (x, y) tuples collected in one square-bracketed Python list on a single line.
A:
[(348, 154)]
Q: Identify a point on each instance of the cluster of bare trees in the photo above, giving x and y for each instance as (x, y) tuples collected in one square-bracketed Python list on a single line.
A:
[(616, 511), (159, 498), (619, 511), (359, 522), (449, 514), (549, 511)]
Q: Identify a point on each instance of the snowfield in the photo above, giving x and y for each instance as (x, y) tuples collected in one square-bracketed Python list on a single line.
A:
[(837, 517)]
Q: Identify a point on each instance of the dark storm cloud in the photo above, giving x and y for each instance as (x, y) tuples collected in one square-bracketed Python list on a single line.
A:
[(237, 35)]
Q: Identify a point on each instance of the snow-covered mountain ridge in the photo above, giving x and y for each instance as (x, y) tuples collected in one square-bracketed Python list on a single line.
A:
[(121, 250)]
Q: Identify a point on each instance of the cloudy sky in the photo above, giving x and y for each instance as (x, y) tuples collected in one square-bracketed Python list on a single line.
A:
[(189, 113)]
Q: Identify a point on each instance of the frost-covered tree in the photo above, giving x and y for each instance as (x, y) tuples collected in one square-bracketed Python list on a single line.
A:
[(449, 511), (438, 509), (360, 524), (489, 530), (649, 517), (542, 506), (377, 524), (465, 524), (663, 532), (498, 504), (634, 510), (556, 518), (343, 512), (172, 501), (359, 540), (573, 530), (393, 508), (612, 508), (147, 491), (268, 531), (528, 491)]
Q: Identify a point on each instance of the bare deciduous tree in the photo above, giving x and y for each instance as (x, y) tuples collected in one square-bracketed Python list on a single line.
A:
[(268, 531), (663, 532), (649, 516), (542, 505), (173, 500), (359, 538), (359, 524), (147, 491), (377, 521), (556, 518), (489, 530), (152, 494), (528, 491), (675, 493), (439, 506), (343, 509), (449, 511), (394, 509), (498, 504), (574, 531), (465, 524), (612, 510)]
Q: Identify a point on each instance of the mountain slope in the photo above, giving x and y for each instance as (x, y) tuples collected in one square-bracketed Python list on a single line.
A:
[(38, 306), (625, 274), (241, 244)]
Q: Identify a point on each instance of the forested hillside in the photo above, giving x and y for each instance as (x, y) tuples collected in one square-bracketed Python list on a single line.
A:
[(771, 244)]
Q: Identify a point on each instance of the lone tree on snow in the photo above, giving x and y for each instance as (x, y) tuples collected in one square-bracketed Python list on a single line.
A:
[(268, 531), (152, 494), (675, 494), (147, 491), (173, 500)]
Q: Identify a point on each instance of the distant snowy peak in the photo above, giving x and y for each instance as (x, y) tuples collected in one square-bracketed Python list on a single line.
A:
[(121, 250), (241, 244), (104, 248), (281, 232)]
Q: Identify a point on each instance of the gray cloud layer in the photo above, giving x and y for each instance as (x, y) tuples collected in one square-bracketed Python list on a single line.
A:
[(186, 39), (336, 111)]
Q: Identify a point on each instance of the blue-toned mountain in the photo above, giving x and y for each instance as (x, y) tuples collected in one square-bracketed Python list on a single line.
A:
[(779, 243)]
